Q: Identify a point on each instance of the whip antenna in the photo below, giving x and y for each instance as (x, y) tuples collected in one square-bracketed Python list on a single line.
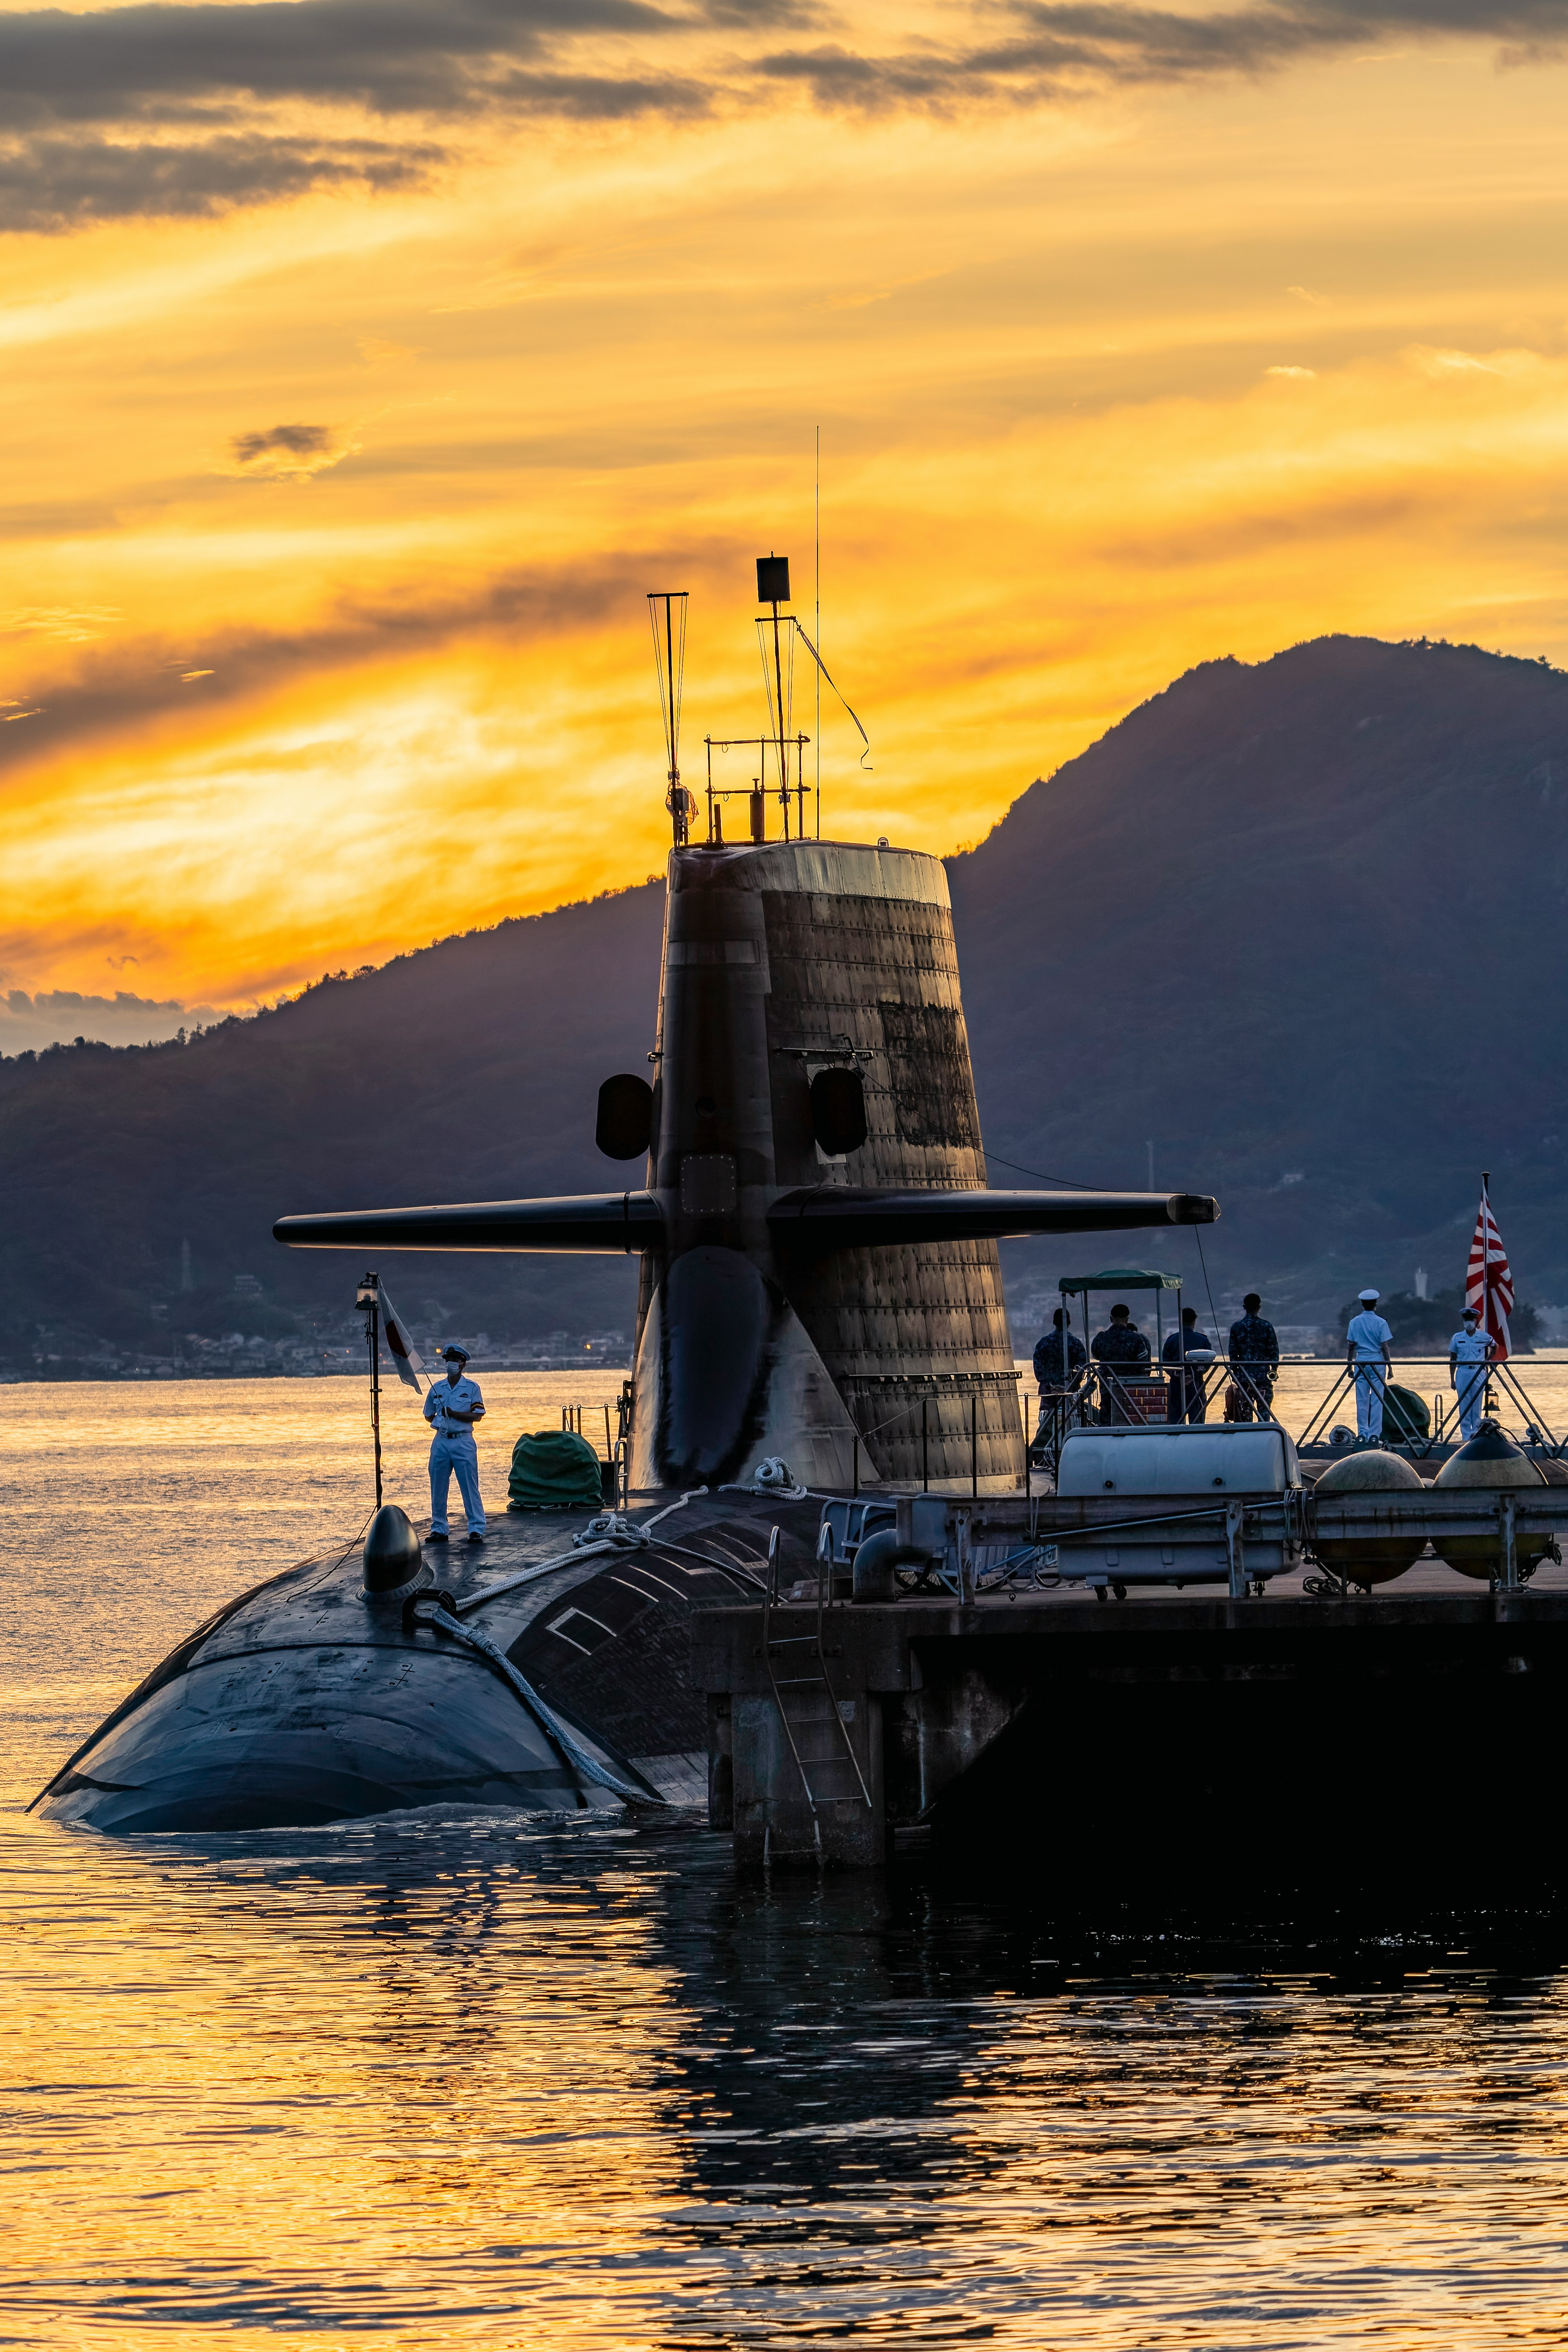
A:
[(666, 612)]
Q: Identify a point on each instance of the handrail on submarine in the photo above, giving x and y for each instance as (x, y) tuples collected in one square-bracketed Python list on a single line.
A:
[(822, 1218)]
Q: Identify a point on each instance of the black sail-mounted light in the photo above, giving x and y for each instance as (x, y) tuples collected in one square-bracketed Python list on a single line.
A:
[(624, 1122), (838, 1111)]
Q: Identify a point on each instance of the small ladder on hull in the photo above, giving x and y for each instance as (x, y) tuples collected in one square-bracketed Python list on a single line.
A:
[(808, 1705)]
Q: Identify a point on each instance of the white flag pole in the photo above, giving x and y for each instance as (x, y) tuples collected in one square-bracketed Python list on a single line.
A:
[(1487, 1275)]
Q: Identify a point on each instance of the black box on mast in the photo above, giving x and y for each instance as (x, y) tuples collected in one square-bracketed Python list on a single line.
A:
[(772, 579)]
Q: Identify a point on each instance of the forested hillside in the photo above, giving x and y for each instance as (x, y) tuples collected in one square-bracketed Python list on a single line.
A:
[(1299, 925)]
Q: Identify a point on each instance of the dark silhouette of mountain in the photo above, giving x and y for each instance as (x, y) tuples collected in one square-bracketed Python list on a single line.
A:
[(466, 1071), (1301, 925)]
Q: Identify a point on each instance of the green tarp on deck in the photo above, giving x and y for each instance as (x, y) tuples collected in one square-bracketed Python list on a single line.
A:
[(553, 1470)]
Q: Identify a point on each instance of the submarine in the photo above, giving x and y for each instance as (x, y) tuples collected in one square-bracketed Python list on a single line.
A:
[(820, 1312)]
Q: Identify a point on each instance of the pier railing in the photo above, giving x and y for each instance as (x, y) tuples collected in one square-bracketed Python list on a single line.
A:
[(1109, 1394), (940, 1429)]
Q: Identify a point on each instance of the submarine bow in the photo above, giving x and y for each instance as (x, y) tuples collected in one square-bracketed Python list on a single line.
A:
[(818, 1244)]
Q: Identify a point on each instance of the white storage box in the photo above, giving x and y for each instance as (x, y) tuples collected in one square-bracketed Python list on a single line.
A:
[(1194, 1466)]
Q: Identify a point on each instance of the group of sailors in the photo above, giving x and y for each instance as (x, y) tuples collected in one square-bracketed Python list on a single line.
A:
[(1123, 1354), (1472, 1351)]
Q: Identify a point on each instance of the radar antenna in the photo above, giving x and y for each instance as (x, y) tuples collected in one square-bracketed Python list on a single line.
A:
[(778, 681), (666, 615)]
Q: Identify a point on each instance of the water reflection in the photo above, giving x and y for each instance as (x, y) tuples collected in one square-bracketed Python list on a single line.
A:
[(547, 2080), (510, 2082)]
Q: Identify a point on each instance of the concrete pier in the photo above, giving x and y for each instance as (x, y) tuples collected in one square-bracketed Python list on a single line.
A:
[(1168, 1735)]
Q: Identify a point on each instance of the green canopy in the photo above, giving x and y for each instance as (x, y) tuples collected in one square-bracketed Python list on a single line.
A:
[(1121, 1278)]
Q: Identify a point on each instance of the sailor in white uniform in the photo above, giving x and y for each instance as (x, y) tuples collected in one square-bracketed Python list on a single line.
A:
[(1369, 1362), (1469, 1359), (452, 1407)]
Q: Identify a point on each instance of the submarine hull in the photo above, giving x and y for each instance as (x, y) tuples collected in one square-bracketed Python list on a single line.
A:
[(304, 1702)]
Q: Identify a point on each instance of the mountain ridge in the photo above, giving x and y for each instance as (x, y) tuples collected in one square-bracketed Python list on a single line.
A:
[(1299, 923)]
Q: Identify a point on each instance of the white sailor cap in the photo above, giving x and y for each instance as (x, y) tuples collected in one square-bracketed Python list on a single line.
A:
[(1370, 1297), (452, 1354)]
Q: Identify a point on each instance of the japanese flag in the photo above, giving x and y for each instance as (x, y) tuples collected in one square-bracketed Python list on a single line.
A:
[(400, 1347)]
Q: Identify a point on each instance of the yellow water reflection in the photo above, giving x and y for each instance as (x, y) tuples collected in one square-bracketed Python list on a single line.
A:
[(272, 2095), (511, 2082)]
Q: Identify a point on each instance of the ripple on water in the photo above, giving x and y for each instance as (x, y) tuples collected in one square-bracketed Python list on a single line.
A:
[(486, 2079)]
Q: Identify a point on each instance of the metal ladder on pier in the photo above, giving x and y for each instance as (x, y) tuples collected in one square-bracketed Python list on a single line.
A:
[(808, 1703)]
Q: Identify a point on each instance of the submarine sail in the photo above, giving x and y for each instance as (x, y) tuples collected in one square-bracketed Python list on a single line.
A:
[(813, 1254)]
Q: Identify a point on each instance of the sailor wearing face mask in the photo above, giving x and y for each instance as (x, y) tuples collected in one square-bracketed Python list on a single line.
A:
[(1469, 1362), (452, 1407)]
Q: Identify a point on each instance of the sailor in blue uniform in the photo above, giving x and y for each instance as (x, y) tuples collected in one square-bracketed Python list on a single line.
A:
[(452, 1407)]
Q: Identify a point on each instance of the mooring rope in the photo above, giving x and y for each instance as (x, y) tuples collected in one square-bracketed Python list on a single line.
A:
[(440, 1620)]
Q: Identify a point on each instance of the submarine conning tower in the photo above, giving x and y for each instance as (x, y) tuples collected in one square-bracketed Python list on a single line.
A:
[(820, 1280), (761, 1333)]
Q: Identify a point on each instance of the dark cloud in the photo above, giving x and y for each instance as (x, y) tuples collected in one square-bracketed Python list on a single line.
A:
[(598, 96), (157, 62), (153, 107), (57, 183), (56, 1015), (1045, 50), (286, 440)]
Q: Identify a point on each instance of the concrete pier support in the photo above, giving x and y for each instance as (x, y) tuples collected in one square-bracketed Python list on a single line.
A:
[(1165, 1742), (808, 1780)]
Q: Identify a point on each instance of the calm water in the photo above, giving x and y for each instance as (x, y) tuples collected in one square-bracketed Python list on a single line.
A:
[(521, 2082)]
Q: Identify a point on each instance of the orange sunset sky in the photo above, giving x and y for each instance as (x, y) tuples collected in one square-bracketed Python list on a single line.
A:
[(366, 361)]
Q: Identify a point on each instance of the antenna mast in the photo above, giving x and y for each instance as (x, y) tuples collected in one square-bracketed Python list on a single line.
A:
[(667, 613), (816, 489), (773, 588)]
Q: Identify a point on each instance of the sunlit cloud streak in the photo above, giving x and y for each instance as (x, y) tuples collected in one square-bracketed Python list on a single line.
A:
[(110, 690)]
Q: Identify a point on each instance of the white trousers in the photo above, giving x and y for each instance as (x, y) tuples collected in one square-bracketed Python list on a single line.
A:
[(1371, 1378), (461, 1455), (1471, 1379)]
